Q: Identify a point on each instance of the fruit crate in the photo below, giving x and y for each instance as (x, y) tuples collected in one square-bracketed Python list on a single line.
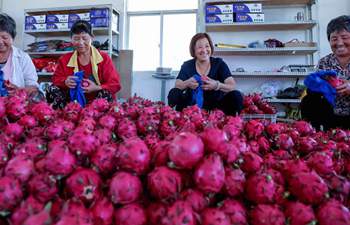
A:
[(272, 117)]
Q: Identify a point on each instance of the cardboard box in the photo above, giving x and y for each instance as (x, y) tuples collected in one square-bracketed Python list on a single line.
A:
[(247, 8), (218, 9), (35, 27), (59, 18), (220, 18), (250, 17), (79, 16), (35, 19), (99, 22), (56, 26), (97, 13)]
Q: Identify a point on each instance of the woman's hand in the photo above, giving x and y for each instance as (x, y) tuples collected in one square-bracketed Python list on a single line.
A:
[(344, 89), (89, 86), (210, 85), (191, 83), (11, 88), (70, 82)]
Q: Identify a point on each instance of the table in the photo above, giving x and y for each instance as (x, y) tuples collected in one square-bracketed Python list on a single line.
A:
[(163, 79)]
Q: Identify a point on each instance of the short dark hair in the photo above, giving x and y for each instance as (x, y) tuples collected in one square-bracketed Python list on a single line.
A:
[(81, 26), (7, 24), (338, 24), (197, 37)]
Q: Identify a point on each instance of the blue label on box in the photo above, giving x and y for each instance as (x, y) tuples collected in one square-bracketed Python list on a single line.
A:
[(247, 8), (95, 13), (218, 9), (35, 19), (41, 26), (78, 16), (220, 18), (250, 17), (99, 22), (57, 18)]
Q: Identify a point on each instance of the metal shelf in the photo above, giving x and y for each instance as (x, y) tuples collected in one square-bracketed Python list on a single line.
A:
[(45, 74), (266, 2), (265, 51), (277, 100), (269, 74), (267, 26), (65, 32)]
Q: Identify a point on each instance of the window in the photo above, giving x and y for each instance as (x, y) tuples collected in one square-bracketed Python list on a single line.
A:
[(160, 37)]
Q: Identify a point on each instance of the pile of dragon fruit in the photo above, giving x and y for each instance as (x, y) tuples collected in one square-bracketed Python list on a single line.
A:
[(255, 104), (142, 163)]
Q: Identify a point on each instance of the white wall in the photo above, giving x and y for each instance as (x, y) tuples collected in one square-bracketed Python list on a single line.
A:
[(15, 8)]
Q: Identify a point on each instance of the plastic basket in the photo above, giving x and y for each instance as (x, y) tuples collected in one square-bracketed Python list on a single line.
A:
[(271, 117)]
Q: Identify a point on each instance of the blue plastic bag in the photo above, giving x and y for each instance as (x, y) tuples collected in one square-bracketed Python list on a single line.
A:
[(316, 82), (77, 94), (197, 95), (3, 89)]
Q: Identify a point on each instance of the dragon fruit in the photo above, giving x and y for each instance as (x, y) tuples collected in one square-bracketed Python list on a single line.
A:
[(186, 150), (160, 154), (10, 193), (237, 121), (84, 184), (275, 129), (43, 112), (264, 144), (251, 162), (277, 176), (253, 129), (235, 211), (180, 213), (13, 130), (234, 182), (167, 127), (100, 104), (333, 212), (20, 167), (108, 122), (59, 161), (164, 183), (104, 158), (82, 144), (71, 111), (133, 155), (260, 188), (215, 140), (231, 131), (42, 218), (74, 212), (2, 107), (55, 131), (284, 141), (16, 107), (213, 216), (304, 128), (147, 124), (87, 125), (321, 163), (210, 174), (306, 145), (236, 147), (339, 186), (132, 214), (216, 118), (102, 212), (103, 135), (33, 148), (292, 167), (195, 198), (124, 188), (28, 121), (43, 187), (298, 213), (308, 187), (335, 81), (29, 206), (156, 211), (4, 155), (267, 215)]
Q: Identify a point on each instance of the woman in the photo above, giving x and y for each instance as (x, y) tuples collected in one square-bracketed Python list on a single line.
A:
[(314, 107), (18, 70), (219, 87), (101, 79)]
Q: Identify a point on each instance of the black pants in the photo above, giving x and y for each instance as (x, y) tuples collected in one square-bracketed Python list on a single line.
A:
[(316, 110), (231, 103), (59, 98)]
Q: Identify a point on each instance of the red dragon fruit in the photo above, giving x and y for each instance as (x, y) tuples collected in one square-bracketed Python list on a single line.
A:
[(164, 183), (236, 147), (156, 211), (72, 111), (234, 182), (231, 131), (260, 188), (195, 198), (167, 127), (103, 212), (41, 218), (210, 174), (235, 211), (276, 176), (284, 141), (186, 150), (264, 144), (333, 212), (55, 131), (237, 121), (213, 216), (13, 130), (28, 121), (267, 215), (33, 148), (275, 129), (82, 144), (28, 206), (84, 184), (215, 140), (4, 155), (104, 158), (339, 135), (2, 107), (339, 186), (108, 122), (20, 167), (160, 154), (103, 135), (133, 155), (59, 161), (216, 118), (308, 187), (100, 104), (253, 129), (180, 213), (295, 166), (147, 124), (251, 162), (132, 214), (306, 145), (125, 188), (43, 112), (16, 107), (298, 213), (43, 187), (10, 193), (335, 81), (304, 128), (74, 212), (321, 163)]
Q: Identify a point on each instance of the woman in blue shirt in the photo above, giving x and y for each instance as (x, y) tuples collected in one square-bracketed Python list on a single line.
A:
[(219, 87)]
